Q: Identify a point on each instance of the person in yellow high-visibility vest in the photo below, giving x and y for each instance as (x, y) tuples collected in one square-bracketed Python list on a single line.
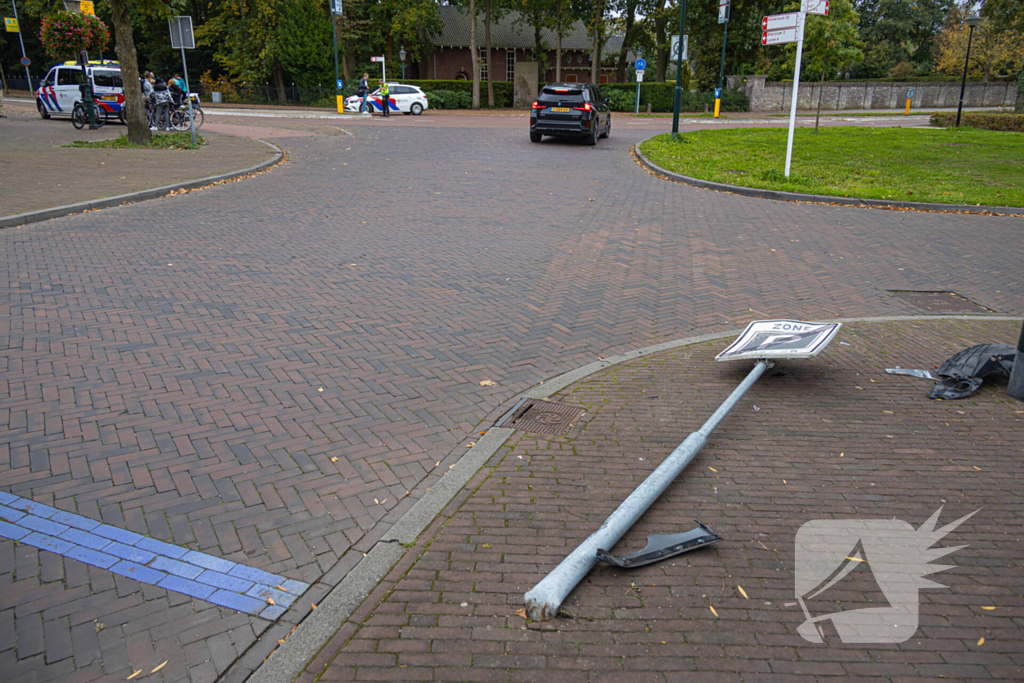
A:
[(385, 105)]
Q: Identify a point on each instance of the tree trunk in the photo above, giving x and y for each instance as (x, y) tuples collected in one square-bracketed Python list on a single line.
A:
[(558, 42), (474, 54), (662, 38), (490, 67), (595, 67), (627, 39), (539, 55), (282, 96), (138, 126), (821, 89)]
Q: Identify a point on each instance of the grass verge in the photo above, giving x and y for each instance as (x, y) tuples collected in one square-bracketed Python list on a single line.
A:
[(953, 166), (180, 140)]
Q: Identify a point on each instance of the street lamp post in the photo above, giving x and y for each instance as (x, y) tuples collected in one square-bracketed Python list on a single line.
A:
[(679, 70), (971, 21), (401, 56)]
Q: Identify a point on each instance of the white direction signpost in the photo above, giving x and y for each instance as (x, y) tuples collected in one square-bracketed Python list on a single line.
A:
[(786, 35), (789, 28), (776, 22), (383, 72), (817, 7)]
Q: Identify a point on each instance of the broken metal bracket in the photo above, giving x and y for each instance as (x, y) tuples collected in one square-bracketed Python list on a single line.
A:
[(663, 546)]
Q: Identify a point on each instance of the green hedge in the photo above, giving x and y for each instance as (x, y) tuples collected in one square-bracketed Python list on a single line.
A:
[(447, 95), (661, 95), (976, 119)]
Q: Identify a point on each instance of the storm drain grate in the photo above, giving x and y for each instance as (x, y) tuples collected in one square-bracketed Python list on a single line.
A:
[(541, 417), (939, 302)]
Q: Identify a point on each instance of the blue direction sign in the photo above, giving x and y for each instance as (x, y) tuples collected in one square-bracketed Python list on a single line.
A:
[(640, 64), (718, 93), (340, 84)]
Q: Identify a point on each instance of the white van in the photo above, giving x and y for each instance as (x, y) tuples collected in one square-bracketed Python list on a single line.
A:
[(59, 91)]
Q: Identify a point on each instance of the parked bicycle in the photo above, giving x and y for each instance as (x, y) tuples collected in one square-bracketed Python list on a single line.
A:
[(80, 116)]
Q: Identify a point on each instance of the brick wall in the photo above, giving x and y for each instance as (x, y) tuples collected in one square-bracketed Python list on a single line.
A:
[(870, 95), (447, 63)]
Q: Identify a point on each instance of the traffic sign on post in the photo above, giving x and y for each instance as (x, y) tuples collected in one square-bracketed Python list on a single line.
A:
[(775, 22), (640, 64), (340, 84), (723, 11), (817, 7), (183, 39), (375, 58), (674, 48), (11, 24), (786, 35), (639, 76), (336, 6)]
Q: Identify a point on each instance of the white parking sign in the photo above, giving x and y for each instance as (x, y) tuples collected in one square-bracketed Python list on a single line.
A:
[(781, 339)]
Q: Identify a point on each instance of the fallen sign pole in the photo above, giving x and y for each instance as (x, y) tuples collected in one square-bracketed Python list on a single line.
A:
[(762, 341)]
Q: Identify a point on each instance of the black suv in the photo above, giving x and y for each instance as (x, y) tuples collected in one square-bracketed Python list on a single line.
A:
[(570, 110)]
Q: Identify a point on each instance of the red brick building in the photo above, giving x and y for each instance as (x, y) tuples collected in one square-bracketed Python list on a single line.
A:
[(511, 41)]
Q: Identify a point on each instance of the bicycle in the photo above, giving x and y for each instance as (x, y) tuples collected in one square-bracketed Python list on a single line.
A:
[(180, 116), (80, 117)]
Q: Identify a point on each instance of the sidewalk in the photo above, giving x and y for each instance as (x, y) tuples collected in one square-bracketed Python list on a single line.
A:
[(829, 438), (38, 172)]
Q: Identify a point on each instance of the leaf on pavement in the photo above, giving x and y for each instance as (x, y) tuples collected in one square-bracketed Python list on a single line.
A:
[(521, 612), (487, 383), (134, 674), (158, 667), (743, 592)]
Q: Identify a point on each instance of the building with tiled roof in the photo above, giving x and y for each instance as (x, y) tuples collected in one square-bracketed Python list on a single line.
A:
[(511, 41)]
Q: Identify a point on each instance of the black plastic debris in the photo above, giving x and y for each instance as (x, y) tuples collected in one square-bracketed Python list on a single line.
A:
[(963, 373), (663, 546)]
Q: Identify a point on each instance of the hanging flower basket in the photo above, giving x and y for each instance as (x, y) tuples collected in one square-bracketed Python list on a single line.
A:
[(65, 34)]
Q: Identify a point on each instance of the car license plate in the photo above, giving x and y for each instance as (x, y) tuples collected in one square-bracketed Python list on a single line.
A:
[(561, 109)]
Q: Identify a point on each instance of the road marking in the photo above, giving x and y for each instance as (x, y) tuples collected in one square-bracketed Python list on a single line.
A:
[(148, 560)]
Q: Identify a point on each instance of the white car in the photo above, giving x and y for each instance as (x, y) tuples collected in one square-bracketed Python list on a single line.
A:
[(59, 91), (408, 99)]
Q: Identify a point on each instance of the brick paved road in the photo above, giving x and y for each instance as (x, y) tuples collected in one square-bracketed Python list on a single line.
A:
[(38, 172), (833, 438), (164, 361)]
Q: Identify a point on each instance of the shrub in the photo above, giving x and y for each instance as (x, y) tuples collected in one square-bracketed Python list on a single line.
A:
[(661, 96), (902, 71), (977, 119)]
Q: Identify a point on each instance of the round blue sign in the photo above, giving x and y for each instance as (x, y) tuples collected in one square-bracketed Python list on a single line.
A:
[(910, 93), (25, 61), (340, 84), (641, 64)]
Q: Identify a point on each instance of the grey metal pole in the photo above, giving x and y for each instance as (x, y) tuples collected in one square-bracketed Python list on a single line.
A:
[(544, 599), (1016, 386), (963, 82), (188, 93), (28, 77), (678, 98)]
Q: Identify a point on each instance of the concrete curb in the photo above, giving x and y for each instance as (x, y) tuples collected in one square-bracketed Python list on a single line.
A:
[(132, 197), (820, 198), (290, 659)]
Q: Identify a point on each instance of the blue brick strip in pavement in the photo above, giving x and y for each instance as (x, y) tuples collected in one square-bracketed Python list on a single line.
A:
[(147, 560)]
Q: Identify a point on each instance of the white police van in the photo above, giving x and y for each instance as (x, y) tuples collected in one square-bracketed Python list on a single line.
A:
[(59, 91)]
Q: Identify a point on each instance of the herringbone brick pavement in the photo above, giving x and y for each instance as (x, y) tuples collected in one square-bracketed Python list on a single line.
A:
[(274, 370), (833, 437)]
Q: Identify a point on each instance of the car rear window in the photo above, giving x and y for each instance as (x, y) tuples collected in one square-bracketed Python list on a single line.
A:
[(567, 95)]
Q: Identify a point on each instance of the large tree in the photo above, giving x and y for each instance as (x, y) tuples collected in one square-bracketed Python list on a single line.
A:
[(895, 31), (306, 43), (135, 108), (992, 50)]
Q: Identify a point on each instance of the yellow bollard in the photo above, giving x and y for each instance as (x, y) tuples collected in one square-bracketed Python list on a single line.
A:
[(908, 108), (341, 104), (718, 103)]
